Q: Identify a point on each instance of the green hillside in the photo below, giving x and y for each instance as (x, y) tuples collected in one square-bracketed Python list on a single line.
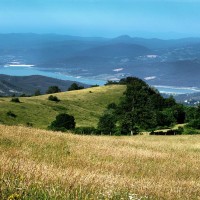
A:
[(85, 105)]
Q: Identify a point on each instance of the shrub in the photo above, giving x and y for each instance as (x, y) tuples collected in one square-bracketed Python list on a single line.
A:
[(29, 124), (23, 95), (190, 131), (53, 98), (63, 122), (75, 86), (11, 114), (180, 130), (53, 89), (112, 106), (194, 124), (15, 100)]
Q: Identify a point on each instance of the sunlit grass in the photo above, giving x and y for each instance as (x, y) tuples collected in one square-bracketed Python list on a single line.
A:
[(85, 105), (37, 164)]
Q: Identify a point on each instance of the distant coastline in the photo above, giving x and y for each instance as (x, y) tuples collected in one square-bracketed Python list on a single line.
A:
[(15, 69)]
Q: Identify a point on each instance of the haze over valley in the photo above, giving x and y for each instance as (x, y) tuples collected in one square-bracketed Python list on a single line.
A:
[(158, 62)]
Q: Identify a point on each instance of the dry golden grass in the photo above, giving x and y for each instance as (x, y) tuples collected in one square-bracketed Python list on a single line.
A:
[(38, 164)]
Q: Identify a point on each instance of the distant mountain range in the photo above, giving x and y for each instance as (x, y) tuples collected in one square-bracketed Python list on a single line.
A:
[(159, 62), (19, 85)]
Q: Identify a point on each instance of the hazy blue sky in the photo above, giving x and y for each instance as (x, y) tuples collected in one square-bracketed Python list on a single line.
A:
[(109, 18)]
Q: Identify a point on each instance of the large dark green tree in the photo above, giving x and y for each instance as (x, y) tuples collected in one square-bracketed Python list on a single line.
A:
[(63, 122), (107, 123), (179, 113), (143, 108), (138, 107)]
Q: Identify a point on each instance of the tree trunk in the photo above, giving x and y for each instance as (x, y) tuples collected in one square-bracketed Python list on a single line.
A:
[(131, 132)]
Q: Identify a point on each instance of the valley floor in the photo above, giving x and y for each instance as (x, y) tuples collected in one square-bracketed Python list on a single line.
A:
[(39, 164)]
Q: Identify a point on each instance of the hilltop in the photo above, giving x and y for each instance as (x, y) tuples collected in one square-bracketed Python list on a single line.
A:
[(85, 105), (19, 85)]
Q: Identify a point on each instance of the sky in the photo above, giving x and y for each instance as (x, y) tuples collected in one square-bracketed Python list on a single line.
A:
[(165, 19)]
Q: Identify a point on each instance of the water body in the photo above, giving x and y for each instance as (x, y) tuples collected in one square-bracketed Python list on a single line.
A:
[(176, 90), (28, 70)]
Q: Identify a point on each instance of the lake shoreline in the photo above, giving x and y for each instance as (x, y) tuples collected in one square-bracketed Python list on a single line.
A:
[(28, 71)]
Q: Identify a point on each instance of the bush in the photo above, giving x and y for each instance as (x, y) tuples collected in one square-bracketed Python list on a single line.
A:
[(190, 131), (112, 106), (75, 86), (63, 122), (15, 100), (180, 130), (23, 95), (194, 124), (29, 124), (53, 89), (53, 98), (111, 83), (11, 114)]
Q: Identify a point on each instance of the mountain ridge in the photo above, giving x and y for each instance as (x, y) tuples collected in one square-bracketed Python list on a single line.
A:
[(18, 85)]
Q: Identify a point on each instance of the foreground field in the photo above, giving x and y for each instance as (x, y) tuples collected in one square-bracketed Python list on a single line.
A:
[(85, 105), (37, 164)]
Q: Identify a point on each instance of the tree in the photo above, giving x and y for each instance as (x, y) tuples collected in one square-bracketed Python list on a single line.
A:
[(179, 113), (194, 124), (128, 125), (106, 124), (165, 118), (143, 108), (75, 86), (63, 122), (53, 89), (170, 101)]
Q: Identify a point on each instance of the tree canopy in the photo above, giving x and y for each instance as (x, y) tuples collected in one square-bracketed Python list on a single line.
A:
[(63, 122), (143, 108), (75, 86), (53, 89)]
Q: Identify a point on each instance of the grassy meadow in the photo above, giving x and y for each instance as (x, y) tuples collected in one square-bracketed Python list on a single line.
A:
[(39, 164), (85, 105)]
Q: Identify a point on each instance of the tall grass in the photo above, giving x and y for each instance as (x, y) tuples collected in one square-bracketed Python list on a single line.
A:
[(37, 164), (85, 105)]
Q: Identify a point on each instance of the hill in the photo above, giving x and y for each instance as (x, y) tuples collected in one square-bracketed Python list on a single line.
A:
[(86, 106), (38, 164), (18, 85), (167, 61)]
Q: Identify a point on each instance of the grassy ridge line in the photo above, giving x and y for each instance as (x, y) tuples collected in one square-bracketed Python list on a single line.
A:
[(48, 165), (86, 106)]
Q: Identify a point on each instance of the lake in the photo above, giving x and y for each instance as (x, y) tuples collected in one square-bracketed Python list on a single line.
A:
[(28, 70)]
